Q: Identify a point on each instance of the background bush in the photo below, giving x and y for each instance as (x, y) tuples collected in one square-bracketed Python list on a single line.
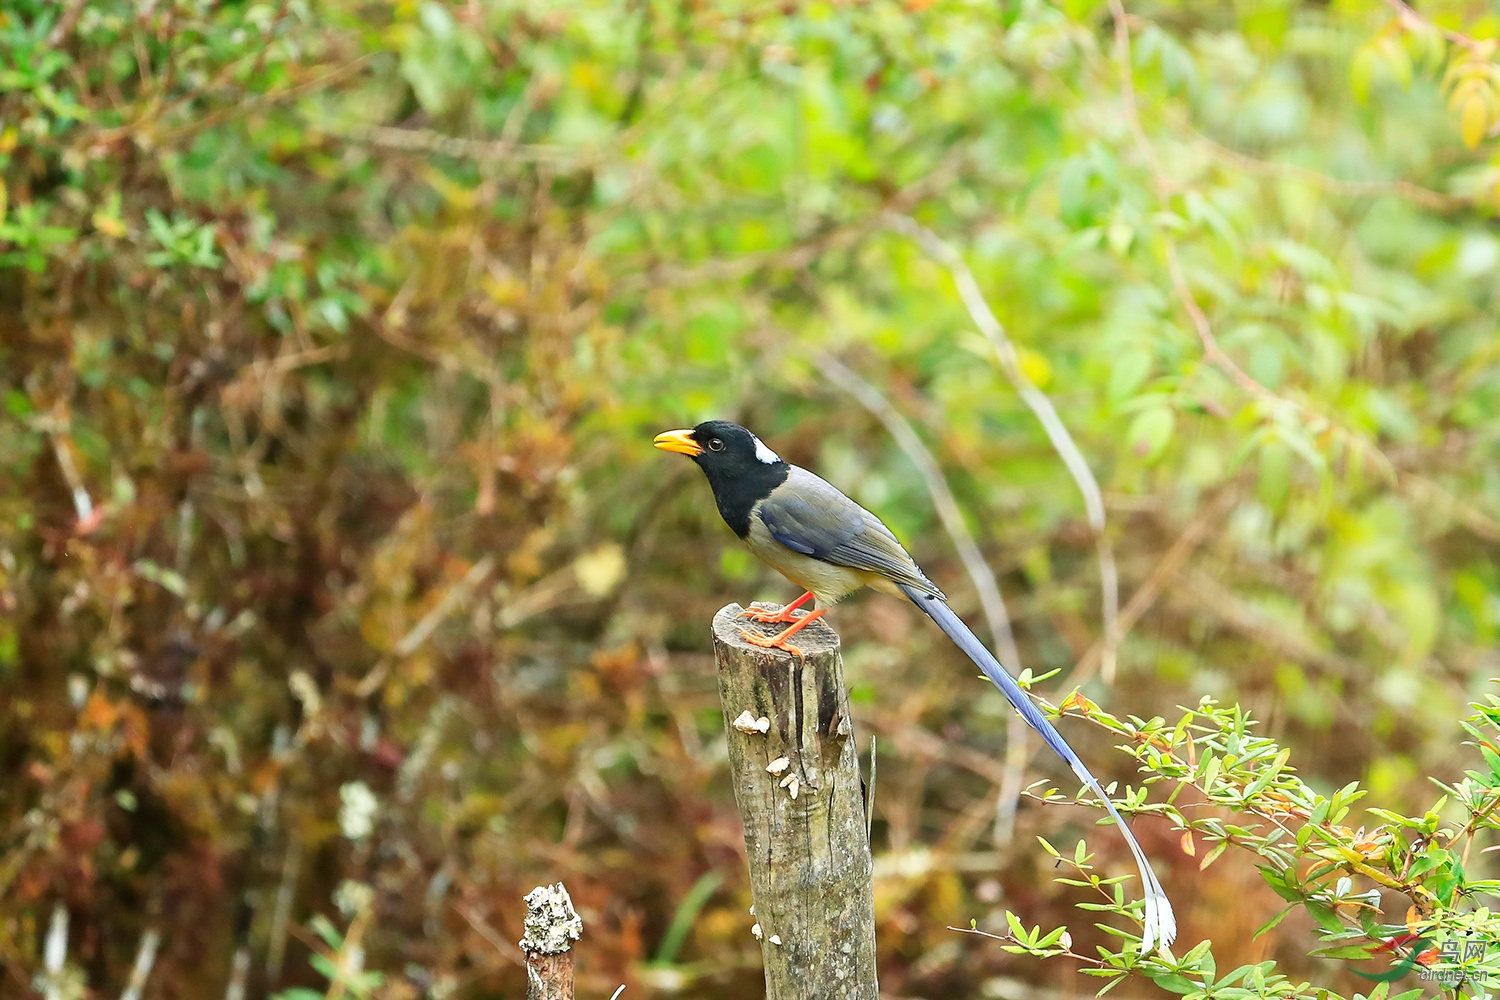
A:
[(341, 593)]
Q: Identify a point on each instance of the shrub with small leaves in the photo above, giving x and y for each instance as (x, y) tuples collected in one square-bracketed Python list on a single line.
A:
[(1248, 797)]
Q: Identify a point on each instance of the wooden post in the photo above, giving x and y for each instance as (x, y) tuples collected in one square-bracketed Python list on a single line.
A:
[(796, 778), (552, 925)]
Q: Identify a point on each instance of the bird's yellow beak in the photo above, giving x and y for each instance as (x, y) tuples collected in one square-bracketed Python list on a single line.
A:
[(679, 441)]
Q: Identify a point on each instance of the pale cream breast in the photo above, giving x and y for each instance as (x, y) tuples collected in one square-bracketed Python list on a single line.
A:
[(828, 583)]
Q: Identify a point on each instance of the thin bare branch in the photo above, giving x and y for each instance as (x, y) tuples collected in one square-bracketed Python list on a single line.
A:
[(145, 960), (652, 272), (1035, 400), (409, 643), (281, 914), (1200, 589), (1162, 573), (900, 429), (1164, 191), (66, 23), (143, 128), (55, 953), (1425, 491), (455, 596), (1411, 19), (502, 947), (83, 505), (1436, 201), (996, 617), (239, 974), (913, 740), (486, 150)]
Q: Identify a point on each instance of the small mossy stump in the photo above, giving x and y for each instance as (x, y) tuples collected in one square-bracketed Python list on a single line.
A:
[(796, 778), (552, 925)]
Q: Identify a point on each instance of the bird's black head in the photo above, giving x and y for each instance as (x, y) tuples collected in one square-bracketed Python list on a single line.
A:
[(741, 470)]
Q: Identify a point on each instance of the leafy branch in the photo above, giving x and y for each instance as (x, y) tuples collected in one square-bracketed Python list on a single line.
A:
[(1234, 789)]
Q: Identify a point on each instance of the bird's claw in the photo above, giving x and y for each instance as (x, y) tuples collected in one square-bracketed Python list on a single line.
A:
[(769, 642), (761, 615)]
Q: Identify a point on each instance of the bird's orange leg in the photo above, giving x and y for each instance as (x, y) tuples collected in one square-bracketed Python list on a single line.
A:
[(784, 615), (779, 641)]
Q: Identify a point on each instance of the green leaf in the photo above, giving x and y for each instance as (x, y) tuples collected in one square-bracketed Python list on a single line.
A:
[(1150, 432), (1129, 373), (1172, 982), (1323, 915), (1270, 924), (1277, 882), (1351, 951), (687, 912)]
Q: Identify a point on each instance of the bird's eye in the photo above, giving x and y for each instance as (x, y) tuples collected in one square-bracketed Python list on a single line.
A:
[(714, 444)]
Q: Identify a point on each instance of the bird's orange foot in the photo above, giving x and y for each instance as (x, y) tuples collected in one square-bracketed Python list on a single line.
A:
[(784, 615), (760, 615), (779, 640), (769, 641)]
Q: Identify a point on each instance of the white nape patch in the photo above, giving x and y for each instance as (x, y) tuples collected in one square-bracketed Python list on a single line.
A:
[(764, 453)]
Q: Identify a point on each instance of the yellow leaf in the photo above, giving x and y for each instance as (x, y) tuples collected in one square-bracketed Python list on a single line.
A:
[(601, 570), (1188, 847), (1035, 366), (110, 225), (1473, 120), (504, 290), (586, 77), (1396, 59), (451, 191), (1362, 73)]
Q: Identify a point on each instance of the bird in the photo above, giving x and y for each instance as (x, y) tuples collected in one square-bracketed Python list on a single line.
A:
[(811, 533)]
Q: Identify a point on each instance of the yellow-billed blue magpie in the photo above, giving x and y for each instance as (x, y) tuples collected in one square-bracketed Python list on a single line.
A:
[(809, 532)]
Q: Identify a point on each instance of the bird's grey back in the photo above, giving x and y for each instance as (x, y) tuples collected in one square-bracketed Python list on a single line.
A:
[(811, 516)]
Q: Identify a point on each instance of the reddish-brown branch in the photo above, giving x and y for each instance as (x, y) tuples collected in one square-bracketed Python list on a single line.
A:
[(1164, 191), (1410, 17)]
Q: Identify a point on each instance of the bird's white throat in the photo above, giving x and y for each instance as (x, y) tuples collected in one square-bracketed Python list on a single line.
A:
[(764, 453)]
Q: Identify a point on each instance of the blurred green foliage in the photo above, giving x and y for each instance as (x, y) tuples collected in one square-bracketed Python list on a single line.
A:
[(340, 587)]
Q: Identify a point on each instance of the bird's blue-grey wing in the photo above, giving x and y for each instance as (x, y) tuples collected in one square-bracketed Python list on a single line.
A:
[(809, 515)]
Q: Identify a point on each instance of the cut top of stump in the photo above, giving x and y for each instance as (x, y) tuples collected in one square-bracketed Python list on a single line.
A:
[(814, 639)]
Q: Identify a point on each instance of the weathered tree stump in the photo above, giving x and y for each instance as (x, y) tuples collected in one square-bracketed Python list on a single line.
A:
[(796, 779), (552, 925)]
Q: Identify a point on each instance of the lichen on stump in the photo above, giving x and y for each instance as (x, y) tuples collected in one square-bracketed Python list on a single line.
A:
[(552, 925)]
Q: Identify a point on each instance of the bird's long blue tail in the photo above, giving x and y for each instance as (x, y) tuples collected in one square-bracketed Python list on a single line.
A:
[(1160, 926)]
